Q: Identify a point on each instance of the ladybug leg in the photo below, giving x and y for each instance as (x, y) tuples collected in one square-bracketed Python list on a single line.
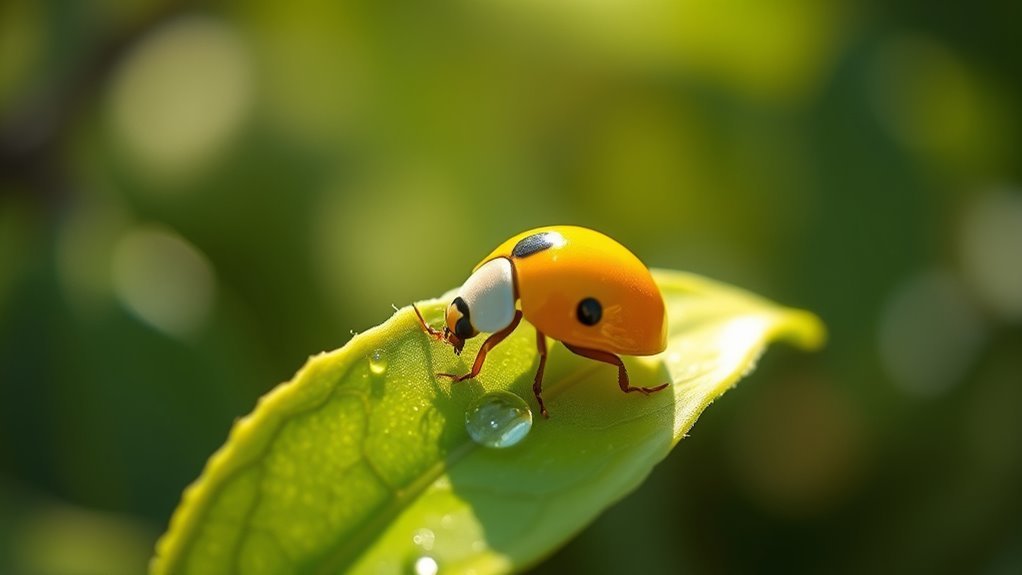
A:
[(431, 331), (489, 344), (622, 373), (537, 384)]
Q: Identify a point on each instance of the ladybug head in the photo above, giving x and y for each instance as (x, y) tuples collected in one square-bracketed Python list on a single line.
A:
[(485, 303), (459, 327)]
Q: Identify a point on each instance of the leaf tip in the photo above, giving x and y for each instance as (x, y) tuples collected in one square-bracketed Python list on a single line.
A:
[(805, 329)]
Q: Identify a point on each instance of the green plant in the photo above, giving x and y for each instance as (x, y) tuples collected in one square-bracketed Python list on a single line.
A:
[(362, 462)]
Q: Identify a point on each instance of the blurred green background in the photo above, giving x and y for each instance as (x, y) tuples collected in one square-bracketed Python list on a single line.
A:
[(195, 198)]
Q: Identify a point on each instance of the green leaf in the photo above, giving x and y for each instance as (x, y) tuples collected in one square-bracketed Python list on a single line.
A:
[(353, 469)]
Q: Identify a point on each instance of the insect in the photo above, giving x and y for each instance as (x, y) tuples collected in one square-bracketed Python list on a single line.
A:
[(574, 285)]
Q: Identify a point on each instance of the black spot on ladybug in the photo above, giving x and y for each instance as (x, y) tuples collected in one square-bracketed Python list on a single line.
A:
[(459, 302), (463, 329), (589, 311), (536, 243)]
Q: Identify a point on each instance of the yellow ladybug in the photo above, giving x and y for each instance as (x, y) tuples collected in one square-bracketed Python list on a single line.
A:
[(574, 285)]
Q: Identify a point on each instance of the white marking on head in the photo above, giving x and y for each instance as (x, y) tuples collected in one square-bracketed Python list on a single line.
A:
[(490, 295)]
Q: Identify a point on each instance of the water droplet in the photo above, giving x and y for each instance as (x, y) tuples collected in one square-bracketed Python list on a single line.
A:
[(425, 565), (378, 362), (498, 419), (424, 538)]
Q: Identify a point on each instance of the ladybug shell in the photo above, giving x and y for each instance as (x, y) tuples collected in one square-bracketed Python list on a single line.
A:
[(557, 267)]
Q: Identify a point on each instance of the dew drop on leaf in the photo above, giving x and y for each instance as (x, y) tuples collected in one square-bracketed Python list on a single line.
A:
[(424, 538), (378, 362), (498, 419), (425, 565)]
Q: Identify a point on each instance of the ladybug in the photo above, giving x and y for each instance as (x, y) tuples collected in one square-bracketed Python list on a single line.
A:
[(574, 285)]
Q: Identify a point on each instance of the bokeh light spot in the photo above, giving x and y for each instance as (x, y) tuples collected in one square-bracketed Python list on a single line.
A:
[(179, 96), (21, 47), (58, 539), (163, 280), (797, 448), (84, 249), (363, 264), (991, 252), (774, 51), (932, 102), (314, 68), (929, 334)]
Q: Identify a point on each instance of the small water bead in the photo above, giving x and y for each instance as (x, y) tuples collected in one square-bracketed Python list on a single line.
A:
[(425, 565), (378, 362), (498, 419), (424, 538)]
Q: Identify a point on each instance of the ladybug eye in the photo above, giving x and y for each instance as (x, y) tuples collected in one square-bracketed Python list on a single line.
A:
[(589, 311)]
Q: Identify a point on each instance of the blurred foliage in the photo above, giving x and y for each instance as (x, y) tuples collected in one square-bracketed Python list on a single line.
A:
[(193, 199)]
